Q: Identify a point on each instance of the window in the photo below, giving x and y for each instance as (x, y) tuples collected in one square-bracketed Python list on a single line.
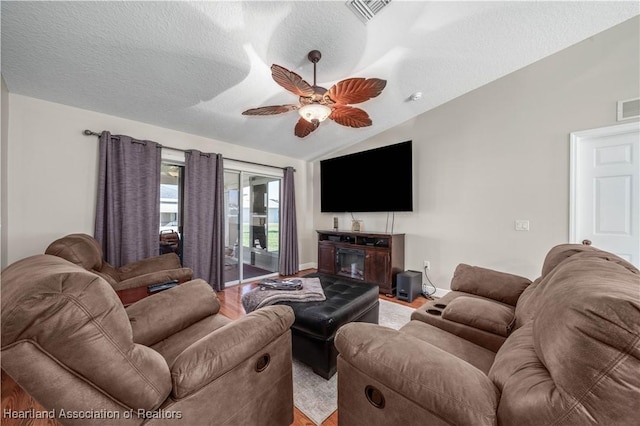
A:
[(171, 189), (171, 208)]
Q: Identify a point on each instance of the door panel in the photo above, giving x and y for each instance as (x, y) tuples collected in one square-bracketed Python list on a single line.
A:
[(606, 189), (252, 223), (612, 205), (376, 267), (326, 258), (232, 236)]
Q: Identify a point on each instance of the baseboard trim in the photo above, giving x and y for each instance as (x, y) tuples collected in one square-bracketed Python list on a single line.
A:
[(441, 292), (310, 265)]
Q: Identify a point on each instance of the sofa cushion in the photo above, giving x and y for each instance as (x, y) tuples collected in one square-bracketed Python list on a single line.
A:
[(476, 355), (515, 355), (526, 307), (609, 257), (164, 314), (452, 389), (81, 249), (529, 302), (431, 313), (560, 253), (484, 314), (227, 347), (500, 286)]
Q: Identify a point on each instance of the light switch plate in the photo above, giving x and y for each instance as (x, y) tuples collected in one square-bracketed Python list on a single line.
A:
[(522, 225)]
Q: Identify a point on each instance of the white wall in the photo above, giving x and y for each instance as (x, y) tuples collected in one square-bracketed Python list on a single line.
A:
[(501, 153), (52, 172)]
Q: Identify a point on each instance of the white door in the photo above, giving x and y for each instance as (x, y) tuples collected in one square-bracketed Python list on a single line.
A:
[(605, 188)]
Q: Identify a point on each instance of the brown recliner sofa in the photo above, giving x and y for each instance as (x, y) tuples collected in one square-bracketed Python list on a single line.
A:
[(130, 281), (571, 358), (169, 359)]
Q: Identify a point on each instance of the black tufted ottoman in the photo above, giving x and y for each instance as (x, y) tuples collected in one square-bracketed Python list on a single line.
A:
[(316, 322)]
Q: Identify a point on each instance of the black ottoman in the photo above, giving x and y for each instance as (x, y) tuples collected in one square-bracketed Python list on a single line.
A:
[(316, 322)]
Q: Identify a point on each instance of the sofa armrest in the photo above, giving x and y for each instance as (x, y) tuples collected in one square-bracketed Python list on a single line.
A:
[(161, 315), (148, 265), (181, 275), (441, 383), (496, 285), (228, 346), (485, 314)]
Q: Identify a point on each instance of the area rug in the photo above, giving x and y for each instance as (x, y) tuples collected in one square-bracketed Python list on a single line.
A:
[(316, 397)]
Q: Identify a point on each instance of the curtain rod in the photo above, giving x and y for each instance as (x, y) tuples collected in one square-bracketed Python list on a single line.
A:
[(92, 133)]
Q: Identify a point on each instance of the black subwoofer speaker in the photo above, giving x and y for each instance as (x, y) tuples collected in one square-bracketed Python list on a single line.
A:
[(409, 285)]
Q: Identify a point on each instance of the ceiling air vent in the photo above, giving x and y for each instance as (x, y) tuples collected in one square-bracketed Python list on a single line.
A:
[(628, 109), (366, 9)]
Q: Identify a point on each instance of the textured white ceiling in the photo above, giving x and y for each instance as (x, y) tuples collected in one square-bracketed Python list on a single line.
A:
[(195, 66)]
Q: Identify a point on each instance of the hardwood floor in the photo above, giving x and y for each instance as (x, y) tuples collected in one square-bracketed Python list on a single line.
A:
[(15, 399)]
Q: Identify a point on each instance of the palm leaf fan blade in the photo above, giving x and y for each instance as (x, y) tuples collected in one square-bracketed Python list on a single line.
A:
[(270, 110), (291, 81), (355, 90), (303, 128), (350, 116)]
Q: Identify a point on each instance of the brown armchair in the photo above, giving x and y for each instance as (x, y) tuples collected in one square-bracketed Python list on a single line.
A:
[(130, 281), (169, 359)]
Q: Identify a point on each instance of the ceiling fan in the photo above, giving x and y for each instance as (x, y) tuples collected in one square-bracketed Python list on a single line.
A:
[(317, 103)]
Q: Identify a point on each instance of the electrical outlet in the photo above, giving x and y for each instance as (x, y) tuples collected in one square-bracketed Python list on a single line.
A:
[(427, 265)]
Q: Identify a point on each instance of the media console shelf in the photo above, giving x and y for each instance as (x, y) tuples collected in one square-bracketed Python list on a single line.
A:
[(372, 257)]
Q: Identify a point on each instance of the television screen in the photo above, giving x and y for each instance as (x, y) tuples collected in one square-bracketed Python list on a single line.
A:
[(378, 180)]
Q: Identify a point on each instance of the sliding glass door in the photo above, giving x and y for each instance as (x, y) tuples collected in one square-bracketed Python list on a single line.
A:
[(252, 225)]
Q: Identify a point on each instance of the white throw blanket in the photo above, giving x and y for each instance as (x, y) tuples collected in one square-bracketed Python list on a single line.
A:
[(257, 298)]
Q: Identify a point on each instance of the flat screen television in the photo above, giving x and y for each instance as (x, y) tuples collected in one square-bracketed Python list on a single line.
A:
[(377, 180)]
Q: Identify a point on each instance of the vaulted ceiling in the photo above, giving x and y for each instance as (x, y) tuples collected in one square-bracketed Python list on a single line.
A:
[(195, 66)]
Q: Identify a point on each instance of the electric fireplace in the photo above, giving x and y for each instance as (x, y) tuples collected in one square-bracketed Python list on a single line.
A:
[(350, 263)]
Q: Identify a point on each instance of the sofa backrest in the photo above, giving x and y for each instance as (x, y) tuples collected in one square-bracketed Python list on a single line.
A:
[(577, 360), (505, 287), (53, 310), (559, 254), (81, 249), (529, 303)]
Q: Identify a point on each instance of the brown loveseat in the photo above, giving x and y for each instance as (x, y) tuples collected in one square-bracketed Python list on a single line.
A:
[(170, 358), (572, 357), (130, 281)]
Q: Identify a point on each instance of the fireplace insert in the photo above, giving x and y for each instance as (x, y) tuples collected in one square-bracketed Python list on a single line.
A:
[(350, 263)]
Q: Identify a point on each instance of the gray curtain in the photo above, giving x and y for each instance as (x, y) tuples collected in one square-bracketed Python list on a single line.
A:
[(203, 249), (128, 205), (289, 262)]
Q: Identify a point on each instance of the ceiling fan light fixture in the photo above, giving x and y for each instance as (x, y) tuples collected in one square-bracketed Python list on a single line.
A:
[(316, 103), (314, 112)]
